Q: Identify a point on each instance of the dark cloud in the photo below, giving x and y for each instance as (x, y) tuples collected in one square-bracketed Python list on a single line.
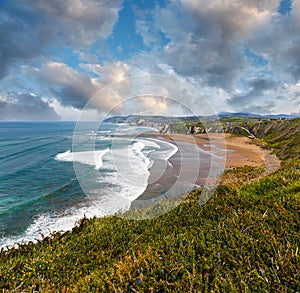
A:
[(15, 106), (66, 85), (19, 39), (261, 84), (204, 42), (79, 22), (265, 108), (208, 41), (293, 99), (256, 93), (72, 88), (28, 29), (280, 98), (293, 55)]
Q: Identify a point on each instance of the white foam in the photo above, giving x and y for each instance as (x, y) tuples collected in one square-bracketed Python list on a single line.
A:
[(150, 143), (171, 150), (47, 224), (127, 179), (93, 158), (66, 156), (131, 164), (137, 150)]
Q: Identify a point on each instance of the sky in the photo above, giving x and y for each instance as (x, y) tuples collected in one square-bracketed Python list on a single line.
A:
[(57, 56)]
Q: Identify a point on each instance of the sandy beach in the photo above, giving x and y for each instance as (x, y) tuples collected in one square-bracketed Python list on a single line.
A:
[(240, 150), (235, 152)]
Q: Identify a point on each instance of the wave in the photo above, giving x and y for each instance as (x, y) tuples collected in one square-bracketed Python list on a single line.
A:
[(49, 223), (93, 158), (30, 149), (169, 150), (124, 179), (150, 142), (123, 176)]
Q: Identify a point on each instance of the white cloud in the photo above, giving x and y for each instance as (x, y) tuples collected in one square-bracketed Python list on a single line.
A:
[(32, 28), (80, 22), (208, 42), (66, 113), (109, 72), (196, 41)]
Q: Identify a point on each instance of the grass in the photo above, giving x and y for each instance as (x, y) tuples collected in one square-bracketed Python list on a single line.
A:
[(239, 175), (244, 239), (284, 137)]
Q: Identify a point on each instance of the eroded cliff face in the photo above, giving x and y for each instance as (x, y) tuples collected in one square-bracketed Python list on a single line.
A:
[(281, 135), (276, 129)]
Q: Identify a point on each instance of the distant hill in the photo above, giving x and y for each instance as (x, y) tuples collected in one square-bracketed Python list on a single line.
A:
[(167, 119), (253, 115), (139, 119)]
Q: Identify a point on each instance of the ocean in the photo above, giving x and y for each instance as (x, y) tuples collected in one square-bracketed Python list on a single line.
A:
[(47, 184)]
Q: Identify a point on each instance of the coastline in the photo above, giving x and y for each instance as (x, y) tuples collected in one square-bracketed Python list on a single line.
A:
[(239, 151), (187, 144), (241, 220)]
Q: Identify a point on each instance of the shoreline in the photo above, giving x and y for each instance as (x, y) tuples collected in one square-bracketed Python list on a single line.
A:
[(238, 152), (236, 157)]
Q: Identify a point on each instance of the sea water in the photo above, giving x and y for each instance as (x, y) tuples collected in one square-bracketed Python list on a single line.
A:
[(40, 190)]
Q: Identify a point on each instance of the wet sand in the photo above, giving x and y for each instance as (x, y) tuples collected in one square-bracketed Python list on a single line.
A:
[(240, 150), (199, 157)]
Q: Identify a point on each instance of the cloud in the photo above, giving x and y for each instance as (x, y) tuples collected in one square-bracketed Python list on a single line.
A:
[(72, 88), (148, 33), (31, 29), (109, 72), (280, 98), (258, 87), (239, 54), (263, 108), (80, 22), (278, 40), (88, 57), (65, 84), (206, 37), (17, 106)]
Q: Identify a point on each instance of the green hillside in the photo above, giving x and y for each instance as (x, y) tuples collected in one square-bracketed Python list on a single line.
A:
[(284, 137), (245, 239)]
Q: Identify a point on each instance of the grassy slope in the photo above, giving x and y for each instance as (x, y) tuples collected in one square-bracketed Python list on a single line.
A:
[(284, 137), (244, 239)]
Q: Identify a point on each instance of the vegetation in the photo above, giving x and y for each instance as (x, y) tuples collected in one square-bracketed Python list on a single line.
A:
[(239, 175), (244, 239), (284, 137)]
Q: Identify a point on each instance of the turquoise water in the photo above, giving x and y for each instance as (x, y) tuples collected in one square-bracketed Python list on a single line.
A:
[(31, 180), (39, 190)]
